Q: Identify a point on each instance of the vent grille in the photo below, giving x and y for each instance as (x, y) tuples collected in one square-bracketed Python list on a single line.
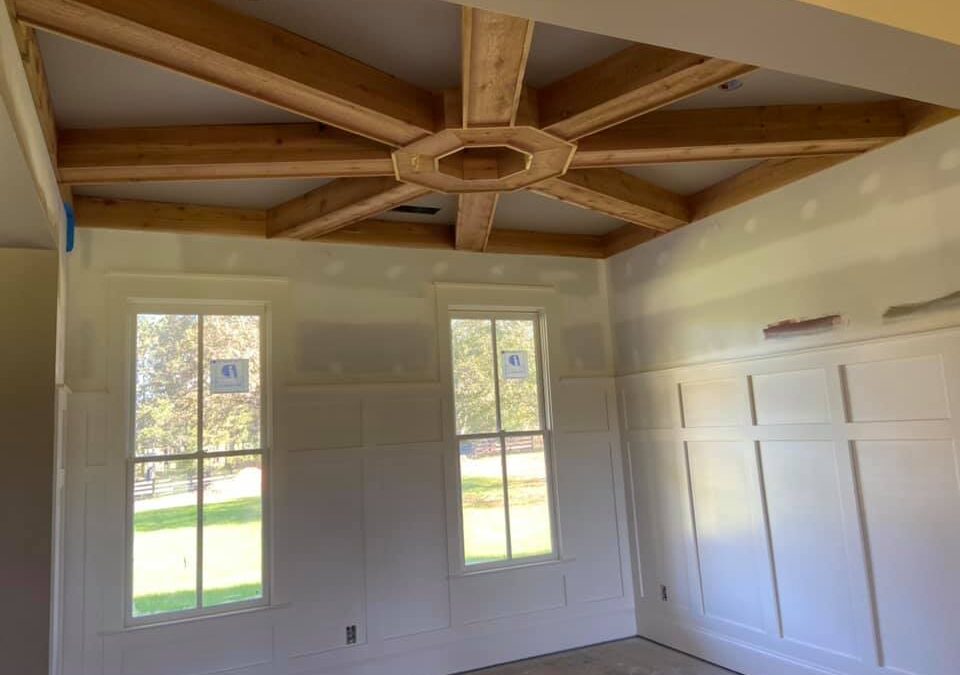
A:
[(419, 210)]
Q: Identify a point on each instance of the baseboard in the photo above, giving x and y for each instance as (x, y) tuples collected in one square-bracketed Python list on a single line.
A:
[(473, 652), (728, 652)]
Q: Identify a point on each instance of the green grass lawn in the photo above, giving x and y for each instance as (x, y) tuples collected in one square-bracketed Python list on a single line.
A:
[(165, 542), (165, 556), (483, 516)]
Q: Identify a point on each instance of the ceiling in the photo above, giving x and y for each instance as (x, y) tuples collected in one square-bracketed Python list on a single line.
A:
[(94, 88)]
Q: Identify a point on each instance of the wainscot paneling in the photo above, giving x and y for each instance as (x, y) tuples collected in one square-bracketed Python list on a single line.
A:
[(801, 513)]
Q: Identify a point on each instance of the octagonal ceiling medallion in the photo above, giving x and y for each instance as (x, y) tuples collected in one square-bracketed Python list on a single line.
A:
[(497, 159)]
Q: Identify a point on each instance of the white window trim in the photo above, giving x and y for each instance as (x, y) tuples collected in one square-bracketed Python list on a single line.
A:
[(544, 430), (455, 296), (200, 308)]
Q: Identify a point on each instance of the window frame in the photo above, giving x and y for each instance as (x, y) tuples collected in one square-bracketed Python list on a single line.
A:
[(200, 309), (493, 314)]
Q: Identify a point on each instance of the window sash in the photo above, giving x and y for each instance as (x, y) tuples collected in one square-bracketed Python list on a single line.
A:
[(201, 311), (502, 435)]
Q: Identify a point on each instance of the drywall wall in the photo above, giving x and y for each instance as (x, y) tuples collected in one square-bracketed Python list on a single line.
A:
[(27, 413), (363, 522), (877, 231), (935, 18), (797, 500), (900, 63)]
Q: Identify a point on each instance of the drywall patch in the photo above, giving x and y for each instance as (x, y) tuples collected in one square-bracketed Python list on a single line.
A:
[(943, 303), (365, 349), (796, 327)]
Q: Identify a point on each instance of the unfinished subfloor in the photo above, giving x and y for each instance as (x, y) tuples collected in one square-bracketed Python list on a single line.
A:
[(635, 656)]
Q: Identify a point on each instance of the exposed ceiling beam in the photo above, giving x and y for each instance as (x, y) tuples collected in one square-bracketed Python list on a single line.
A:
[(919, 116), (118, 214), (739, 133), (339, 203), (626, 237), (620, 195), (204, 40), (129, 214), (475, 213), (27, 115), (218, 152), (494, 51), (758, 180), (525, 242), (632, 82), (26, 40)]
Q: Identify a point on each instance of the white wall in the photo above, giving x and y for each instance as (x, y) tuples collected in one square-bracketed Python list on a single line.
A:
[(360, 508), (800, 499), (28, 304)]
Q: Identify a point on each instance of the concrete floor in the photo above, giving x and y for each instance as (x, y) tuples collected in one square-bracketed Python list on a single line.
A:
[(635, 656)]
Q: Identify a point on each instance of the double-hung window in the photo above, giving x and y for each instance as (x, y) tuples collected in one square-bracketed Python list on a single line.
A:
[(502, 438), (196, 476)]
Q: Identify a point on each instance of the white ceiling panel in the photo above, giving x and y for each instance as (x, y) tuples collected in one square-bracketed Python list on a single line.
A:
[(251, 194), (690, 177)]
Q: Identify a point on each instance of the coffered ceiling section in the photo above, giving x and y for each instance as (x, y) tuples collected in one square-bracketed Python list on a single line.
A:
[(421, 123)]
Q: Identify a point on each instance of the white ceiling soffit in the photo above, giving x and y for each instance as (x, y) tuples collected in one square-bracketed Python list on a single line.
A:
[(248, 194), (92, 87), (527, 211), (770, 87), (23, 221), (95, 88), (419, 40), (690, 177), (785, 35)]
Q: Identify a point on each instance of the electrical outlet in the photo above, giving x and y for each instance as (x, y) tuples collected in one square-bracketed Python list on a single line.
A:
[(352, 634), (663, 593)]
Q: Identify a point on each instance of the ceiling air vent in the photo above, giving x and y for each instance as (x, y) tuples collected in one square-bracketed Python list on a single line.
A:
[(419, 210)]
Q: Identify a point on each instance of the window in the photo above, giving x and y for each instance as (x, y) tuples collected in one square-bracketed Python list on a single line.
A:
[(196, 474), (502, 439)]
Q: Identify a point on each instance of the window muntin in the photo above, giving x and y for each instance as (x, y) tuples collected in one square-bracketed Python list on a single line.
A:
[(505, 495), (196, 487)]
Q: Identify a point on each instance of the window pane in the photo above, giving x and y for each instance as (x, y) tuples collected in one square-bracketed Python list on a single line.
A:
[(481, 487), (519, 379), (473, 377), (231, 395), (166, 384), (164, 537), (527, 491), (232, 529)]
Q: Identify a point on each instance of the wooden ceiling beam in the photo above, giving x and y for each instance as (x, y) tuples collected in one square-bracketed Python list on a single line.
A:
[(494, 55), (758, 180), (32, 59), (203, 40), (146, 216), (131, 214), (744, 133), (339, 203), (217, 152), (494, 51), (620, 195), (633, 82)]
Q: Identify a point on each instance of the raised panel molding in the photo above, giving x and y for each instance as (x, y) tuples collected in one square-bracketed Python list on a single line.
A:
[(713, 403), (825, 520), (729, 532), (896, 390), (911, 508), (798, 397)]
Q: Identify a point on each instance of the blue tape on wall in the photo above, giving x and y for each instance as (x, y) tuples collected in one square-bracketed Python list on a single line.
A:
[(71, 226)]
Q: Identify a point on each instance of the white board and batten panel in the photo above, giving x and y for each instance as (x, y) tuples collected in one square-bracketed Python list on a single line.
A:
[(360, 537), (824, 507)]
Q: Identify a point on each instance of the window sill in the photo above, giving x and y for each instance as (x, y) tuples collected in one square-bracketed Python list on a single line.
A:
[(553, 562), (193, 619)]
